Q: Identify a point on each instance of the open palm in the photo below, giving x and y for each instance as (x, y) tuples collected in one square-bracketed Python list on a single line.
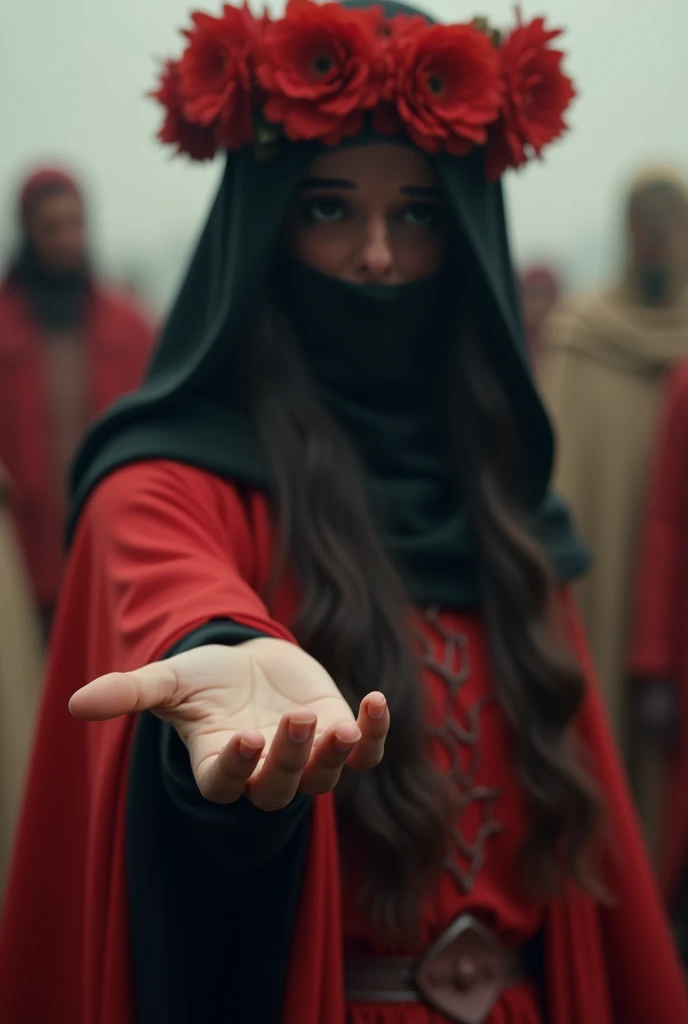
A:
[(261, 718)]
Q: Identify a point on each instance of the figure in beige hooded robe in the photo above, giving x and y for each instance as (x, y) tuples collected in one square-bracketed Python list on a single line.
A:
[(605, 360)]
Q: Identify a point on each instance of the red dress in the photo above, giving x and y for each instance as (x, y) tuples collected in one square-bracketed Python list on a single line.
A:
[(162, 549), (471, 744)]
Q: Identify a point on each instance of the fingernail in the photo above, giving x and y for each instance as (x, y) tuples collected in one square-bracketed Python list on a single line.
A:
[(247, 751), (344, 743), (300, 731), (377, 707)]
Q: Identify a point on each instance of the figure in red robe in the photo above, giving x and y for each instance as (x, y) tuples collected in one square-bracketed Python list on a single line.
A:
[(68, 348), (336, 754), (659, 657)]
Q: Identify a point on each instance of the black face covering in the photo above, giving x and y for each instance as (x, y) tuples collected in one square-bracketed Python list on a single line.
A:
[(377, 355), (366, 341), (57, 300)]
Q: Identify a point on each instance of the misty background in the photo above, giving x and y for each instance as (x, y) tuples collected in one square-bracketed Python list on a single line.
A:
[(73, 78)]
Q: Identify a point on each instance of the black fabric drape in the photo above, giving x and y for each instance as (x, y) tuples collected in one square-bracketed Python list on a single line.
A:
[(213, 889)]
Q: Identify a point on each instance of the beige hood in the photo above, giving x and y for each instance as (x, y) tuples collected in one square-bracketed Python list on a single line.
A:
[(614, 330)]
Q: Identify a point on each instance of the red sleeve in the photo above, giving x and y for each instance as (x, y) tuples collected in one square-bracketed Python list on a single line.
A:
[(177, 548), (160, 550), (659, 575), (644, 976)]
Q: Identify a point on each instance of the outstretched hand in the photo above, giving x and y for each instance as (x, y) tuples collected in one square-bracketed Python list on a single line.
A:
[(261, 718)]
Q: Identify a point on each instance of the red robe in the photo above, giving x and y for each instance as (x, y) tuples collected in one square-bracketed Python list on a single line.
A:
[(160, 550), (660, 639), (117, 342)]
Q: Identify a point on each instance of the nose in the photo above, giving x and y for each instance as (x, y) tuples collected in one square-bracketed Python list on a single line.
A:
[(375, 259)]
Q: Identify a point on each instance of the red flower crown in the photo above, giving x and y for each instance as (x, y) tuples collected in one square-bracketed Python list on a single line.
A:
[(320, 70)]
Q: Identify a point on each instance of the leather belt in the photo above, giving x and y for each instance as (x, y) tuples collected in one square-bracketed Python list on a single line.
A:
[(461, 975)]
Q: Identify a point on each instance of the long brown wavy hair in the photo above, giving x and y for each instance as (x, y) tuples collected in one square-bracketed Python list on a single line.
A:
[(352, 620)]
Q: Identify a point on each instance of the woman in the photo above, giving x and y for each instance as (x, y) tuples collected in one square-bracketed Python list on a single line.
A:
[(325, 510)]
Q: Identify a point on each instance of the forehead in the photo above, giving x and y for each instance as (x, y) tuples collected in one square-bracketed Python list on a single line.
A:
[(378, 163)]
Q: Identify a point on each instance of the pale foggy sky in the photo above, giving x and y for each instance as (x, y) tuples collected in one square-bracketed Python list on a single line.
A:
[(73, 74)]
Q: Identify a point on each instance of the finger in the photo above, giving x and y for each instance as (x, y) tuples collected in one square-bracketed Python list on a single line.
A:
[(277, 782), (120, 693), (222, 778), (373, 721), (324, 768)]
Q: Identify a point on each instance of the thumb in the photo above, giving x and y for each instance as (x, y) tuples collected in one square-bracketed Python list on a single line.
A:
[(120, 693)]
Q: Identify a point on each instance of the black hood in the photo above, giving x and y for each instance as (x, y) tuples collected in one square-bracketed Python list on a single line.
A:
[(176, 414)]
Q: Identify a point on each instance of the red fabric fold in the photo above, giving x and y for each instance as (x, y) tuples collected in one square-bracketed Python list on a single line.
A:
[(615, 963)]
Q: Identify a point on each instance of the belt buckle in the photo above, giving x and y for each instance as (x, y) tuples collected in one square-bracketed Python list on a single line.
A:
[(461, 974)]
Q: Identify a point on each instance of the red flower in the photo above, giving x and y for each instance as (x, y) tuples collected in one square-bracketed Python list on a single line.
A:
[(191, 139), (386, 118), (405, 24), (216, 74), (446, 84), (537, 93), (320, 68), (387, 28)]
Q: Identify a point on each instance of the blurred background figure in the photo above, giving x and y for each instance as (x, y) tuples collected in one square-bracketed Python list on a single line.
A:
[(20, 671), (68, 348), (541, 288), (605, 359), (659, 651)]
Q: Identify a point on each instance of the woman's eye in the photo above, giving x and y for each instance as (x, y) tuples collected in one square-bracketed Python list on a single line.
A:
[(324, 211), (423, 215)]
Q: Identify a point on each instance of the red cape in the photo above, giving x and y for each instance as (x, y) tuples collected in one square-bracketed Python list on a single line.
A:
[(160, 550), (660, 640), (118, 341)]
